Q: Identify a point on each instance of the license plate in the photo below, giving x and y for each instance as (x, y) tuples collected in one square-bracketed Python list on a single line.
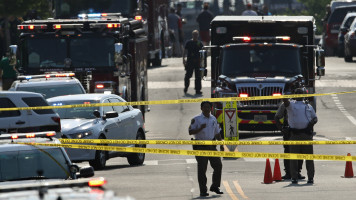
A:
[(260, 118)]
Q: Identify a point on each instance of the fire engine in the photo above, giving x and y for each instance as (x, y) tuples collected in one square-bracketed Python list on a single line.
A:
[(261, 56), (107, 52), (152, 13)]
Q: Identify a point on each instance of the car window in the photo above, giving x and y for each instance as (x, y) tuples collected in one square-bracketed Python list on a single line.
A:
[(348, 22), (7, 103), (50, 163), (339, 14), (35, 102), (77, 112), (119, 109), (49, 91), (107, 108)]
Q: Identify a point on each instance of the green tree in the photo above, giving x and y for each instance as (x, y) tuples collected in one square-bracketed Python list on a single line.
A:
[(315, 8), (16, 9)]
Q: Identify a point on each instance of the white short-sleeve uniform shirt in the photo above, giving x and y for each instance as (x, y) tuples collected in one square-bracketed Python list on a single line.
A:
[(208, 133)]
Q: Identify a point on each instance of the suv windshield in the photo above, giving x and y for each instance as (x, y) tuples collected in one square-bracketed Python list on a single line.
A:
[(75, 113), (49, 91), (84, 51), (33, 164), (246, 60), (71, 8)]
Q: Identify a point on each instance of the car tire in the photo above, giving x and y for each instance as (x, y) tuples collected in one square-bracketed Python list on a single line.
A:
[(137, 158), (100, 159)]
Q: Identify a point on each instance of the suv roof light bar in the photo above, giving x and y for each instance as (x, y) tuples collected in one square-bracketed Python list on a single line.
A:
[(56, 75), (13, 136), (247, 38)]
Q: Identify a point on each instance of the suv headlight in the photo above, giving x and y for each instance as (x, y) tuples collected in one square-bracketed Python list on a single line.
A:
[(81, 135)]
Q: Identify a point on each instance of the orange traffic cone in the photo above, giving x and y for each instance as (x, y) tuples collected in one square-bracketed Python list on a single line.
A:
[(277, 171), (349, 172), (268, 173)]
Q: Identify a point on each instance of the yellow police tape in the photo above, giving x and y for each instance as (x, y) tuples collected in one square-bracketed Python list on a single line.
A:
[(178, 101), (200, 152), (204, 142)]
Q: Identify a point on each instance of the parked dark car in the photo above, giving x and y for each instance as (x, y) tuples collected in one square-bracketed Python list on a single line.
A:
[(332, 28), (350, 42), (344, 28)]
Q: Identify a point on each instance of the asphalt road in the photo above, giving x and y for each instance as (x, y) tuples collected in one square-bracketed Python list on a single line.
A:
[(175, 177)]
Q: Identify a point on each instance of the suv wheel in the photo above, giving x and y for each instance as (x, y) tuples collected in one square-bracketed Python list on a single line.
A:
[(100, 159), (137, 158)]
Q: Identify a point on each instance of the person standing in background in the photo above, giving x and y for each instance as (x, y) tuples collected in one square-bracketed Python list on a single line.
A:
[(204, 19), (191, 64)]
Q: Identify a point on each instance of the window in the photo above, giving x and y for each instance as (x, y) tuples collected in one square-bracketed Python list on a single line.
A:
[(49, 91), (35, 102), (107, 108), (49, 162), (7, 103), (75, 113), (119, 109)]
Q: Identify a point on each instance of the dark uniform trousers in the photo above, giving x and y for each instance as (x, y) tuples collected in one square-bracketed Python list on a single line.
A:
[(302, 149), (215, 163), (190, 68), (286, 137)]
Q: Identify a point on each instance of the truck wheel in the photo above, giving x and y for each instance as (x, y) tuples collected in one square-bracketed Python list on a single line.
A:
[(100, 159), (137, 158), (157, 61)]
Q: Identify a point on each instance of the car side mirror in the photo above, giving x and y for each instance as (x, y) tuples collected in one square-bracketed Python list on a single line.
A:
[(86, 172), (111, 114), (96, 113), (344, 30)]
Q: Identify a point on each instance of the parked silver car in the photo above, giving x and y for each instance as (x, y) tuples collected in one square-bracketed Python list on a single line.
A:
[(103, 122)]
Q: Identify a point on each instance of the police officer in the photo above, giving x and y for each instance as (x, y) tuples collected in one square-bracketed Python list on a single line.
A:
[(284, 128), (301, 120), (205, 127)]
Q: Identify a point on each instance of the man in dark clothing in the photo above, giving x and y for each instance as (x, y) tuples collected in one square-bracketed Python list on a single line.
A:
[(204, 19), (9, 72), (191, 51), (284, 128)]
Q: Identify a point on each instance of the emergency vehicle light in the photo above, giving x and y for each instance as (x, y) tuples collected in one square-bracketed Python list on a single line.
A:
[(67, 26), (31, 27), (104, 25), (97, 182), (276, 94), (45, 76), (247, 38), (138, 17), (243, 95), (27, 135), (100, 86)]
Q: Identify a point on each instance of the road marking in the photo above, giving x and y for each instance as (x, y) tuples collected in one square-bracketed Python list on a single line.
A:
[(239, 190), (229, 191), (342, 109)]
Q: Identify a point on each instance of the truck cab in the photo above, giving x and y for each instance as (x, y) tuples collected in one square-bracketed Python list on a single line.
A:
[(261, 56), (152, 13)]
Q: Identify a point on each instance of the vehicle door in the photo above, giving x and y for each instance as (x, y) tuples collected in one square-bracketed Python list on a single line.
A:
[(113, 126), (10, 121), (128, 123)]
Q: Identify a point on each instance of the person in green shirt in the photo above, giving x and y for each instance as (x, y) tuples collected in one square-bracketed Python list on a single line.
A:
[(9, 72)]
